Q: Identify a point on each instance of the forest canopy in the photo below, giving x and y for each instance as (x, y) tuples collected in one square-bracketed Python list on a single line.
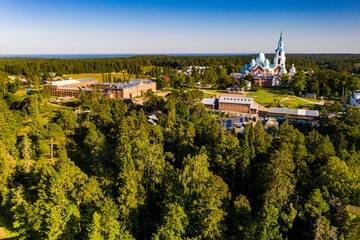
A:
[(109, 174)]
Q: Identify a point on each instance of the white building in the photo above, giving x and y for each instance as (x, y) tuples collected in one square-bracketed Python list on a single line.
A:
[(263, 67), (355, 98), (266, 73), (189, 70)]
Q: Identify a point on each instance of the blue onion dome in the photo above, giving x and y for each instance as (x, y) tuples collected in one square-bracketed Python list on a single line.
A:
[(252, 63), (267, 62), (261, 57)]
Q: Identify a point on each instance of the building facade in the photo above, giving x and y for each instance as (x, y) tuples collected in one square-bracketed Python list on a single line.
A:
[(210, 103), (237, 104), (294, 114), (133, 88), (70, 88)]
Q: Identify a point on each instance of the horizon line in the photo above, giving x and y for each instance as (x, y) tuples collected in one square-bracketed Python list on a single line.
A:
[(89, 54)]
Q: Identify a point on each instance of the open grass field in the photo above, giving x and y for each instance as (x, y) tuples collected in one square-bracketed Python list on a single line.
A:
[(294, 102), (208, 95), (270, 92), (312, 100), (216, 91), (98, 76), (267, 96)]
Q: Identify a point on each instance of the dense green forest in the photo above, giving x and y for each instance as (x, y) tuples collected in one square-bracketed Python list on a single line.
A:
[(25, 66), (325, 74), (111, 175)]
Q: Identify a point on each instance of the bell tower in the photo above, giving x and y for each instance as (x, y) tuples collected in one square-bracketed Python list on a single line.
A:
[(279, 59)]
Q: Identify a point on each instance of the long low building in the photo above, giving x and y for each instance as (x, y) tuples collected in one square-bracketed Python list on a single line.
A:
[(133, 88), (210, 103), (70, 88), (237, 104), (297, 114)]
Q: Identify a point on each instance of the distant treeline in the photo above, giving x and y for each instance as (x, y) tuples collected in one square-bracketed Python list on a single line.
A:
[(26, 66)]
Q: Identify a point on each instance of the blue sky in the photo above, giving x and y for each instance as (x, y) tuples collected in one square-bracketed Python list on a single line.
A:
[(158, 26)]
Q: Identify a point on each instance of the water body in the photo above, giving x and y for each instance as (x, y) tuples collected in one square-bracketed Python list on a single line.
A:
[(68, 56)]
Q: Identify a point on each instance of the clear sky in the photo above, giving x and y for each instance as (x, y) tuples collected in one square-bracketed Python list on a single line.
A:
[(159, 26)]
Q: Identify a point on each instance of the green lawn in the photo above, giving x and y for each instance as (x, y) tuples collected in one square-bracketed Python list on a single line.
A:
[(208, 95), (312, 99), (216, 91), (270, 92), (265, 100), (297, 103), (267, 96), (98, 76)]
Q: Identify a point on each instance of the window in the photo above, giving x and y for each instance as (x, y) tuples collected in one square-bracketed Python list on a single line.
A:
[(240, 108)]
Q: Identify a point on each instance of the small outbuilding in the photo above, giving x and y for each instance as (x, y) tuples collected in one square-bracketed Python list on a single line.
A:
[(310, 95), (210, 103)]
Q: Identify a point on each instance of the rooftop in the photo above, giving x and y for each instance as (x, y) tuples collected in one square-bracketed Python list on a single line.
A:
[(237, 100), (295, 112), (131, 83), (73, 81), (209, 101)]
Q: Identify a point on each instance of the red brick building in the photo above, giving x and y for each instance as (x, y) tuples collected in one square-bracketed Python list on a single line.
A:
[(133, 88), (70, 87), (266, 81), (237, 104)]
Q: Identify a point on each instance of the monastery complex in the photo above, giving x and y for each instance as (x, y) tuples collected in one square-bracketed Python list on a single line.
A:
[(264, 72)]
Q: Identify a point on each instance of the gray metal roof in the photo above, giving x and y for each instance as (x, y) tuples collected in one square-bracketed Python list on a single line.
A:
[(296, 112), (236, 100), (209, 101), (254, 106)]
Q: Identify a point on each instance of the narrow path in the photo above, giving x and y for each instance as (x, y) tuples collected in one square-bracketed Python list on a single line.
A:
[(284, 99), (321, 102), (226, 94)]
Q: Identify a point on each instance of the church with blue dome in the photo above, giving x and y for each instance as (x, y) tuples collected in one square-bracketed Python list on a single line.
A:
[(266, 73)]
